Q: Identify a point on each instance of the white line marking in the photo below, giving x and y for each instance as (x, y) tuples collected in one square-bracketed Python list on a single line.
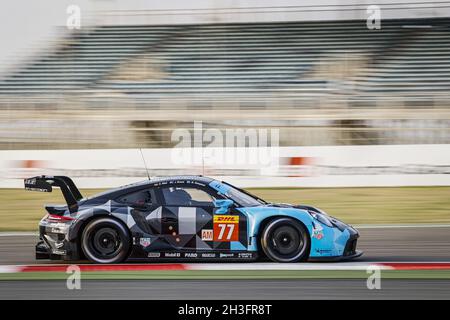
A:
[(285, 266), (339, 266), (361, 226), (10, 269), (244, 266), (18, 234)]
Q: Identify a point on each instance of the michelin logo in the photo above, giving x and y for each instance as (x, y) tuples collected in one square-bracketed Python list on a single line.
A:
[(154, 254)]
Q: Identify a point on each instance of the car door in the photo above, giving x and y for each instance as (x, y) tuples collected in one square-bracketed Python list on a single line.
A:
[(143, 206), (187, 217), (230, 230)]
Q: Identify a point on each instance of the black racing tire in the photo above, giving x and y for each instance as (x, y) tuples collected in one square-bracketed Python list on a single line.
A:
[(105, 240), (285, 240)]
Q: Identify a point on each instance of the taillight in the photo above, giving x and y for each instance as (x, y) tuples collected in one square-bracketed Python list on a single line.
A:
[(59, 218)]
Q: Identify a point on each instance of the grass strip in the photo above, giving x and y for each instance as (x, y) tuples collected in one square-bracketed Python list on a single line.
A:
[(21, 210)]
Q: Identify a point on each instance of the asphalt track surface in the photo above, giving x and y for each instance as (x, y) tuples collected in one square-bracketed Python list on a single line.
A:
[(379, 244), (226, 289)]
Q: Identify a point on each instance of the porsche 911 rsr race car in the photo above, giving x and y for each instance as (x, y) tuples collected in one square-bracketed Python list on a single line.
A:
[(185, 218)]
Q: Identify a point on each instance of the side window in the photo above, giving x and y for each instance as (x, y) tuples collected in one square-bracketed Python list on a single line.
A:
[(186, 196), (139, 198)]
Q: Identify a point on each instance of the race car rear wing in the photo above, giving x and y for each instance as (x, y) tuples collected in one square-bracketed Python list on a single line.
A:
[(46, 183)]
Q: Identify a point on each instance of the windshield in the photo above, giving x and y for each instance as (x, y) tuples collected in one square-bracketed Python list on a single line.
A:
[(242, 197)]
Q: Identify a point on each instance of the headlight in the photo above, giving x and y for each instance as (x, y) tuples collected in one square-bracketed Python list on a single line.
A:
[(322, 218)]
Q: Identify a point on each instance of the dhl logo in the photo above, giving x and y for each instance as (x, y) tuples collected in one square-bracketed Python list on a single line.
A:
[(228, 219)]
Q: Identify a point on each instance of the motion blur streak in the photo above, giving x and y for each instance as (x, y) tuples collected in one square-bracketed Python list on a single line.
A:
[(227, 289), (379, 245), (357, 101), (124, 81)]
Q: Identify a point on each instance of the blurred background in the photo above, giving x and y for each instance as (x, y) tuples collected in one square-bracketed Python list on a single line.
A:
[(360, 98)]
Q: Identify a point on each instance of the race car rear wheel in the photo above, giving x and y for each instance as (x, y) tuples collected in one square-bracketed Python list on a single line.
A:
[(285, 240), (105, 240)]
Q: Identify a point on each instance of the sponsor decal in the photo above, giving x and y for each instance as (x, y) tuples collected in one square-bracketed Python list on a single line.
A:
[(30, 181), (145, 242), (208, 255), (317, 231), (59, 252), (190, 255), (59, 244), (37, 189), (207, 235), (154, 254), (226, 228), (56, 230), (172, 255), (226, 218), (57, 225), (245, 255), (226, 255), (323, 251)]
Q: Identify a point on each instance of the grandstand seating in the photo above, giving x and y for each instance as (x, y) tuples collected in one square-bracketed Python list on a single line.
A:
[(83, 58), (422, 64), (282, 60)]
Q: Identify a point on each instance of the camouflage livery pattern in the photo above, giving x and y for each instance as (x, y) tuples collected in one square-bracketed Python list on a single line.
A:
[(159, 229)]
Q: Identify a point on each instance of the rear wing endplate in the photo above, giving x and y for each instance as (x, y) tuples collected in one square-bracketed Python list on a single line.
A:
[(46, 183)]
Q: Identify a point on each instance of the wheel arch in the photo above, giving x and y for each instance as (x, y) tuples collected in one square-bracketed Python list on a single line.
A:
[(264, 222), (259, 217), (78, 230)]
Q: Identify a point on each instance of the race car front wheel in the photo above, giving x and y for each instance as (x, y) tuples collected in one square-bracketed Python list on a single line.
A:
[(105, 240), (285, 240)]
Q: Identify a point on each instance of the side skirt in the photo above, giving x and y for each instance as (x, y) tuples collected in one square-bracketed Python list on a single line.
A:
[(195, 256)]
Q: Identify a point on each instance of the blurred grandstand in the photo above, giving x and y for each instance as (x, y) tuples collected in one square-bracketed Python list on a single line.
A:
[(321, 83)]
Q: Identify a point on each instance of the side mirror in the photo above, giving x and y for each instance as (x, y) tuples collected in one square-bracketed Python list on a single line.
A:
[(223, 205)]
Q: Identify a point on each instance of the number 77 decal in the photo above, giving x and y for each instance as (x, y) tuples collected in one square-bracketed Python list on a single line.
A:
[(226, 228)]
